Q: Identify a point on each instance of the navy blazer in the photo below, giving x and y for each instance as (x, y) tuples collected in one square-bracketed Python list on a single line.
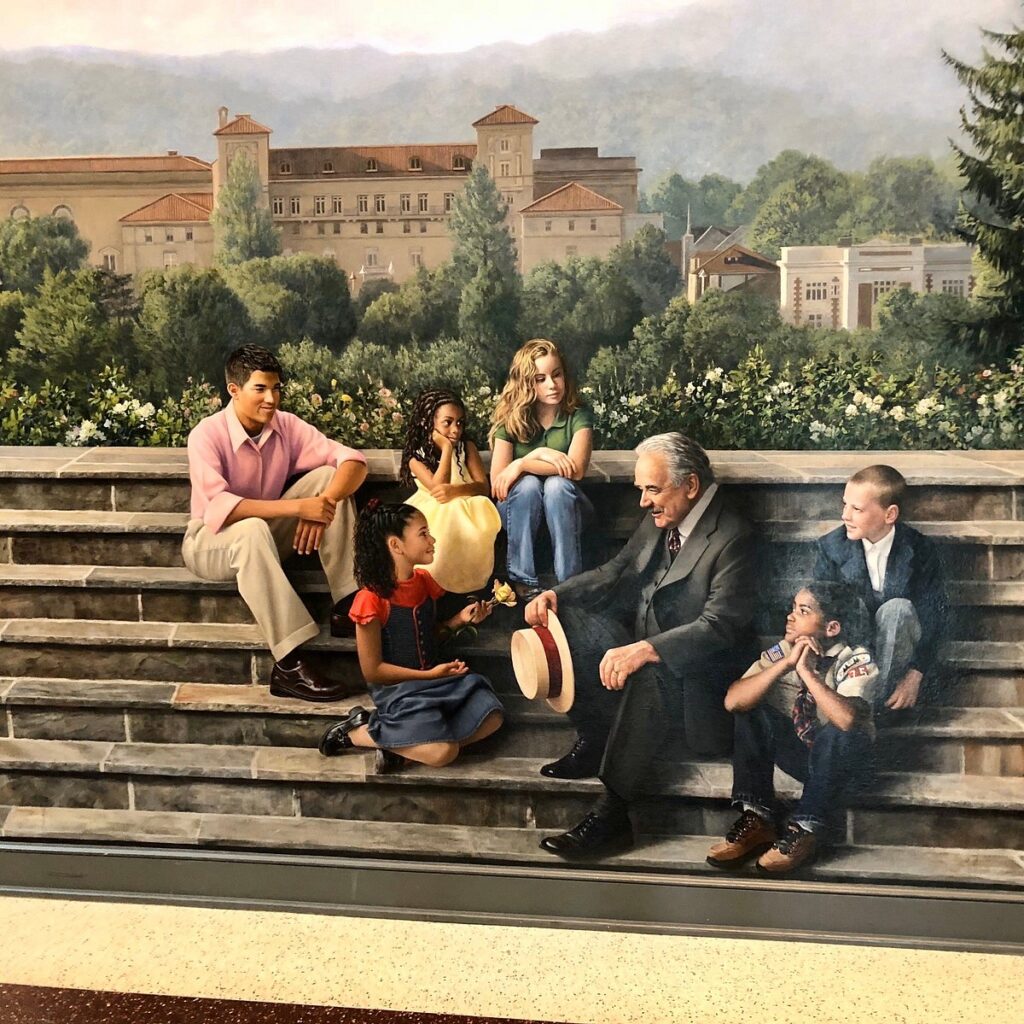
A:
[(913, 572)]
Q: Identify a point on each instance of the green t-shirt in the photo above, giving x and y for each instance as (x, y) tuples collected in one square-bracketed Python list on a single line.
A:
[(558, 436)]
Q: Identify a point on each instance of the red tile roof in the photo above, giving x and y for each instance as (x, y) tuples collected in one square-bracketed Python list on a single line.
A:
[(505, 114), (572, 198), (351, 161), (173, 208), (243, 124), (102, 164)]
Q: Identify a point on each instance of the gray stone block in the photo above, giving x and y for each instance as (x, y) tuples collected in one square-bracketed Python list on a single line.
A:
[(52, 494), (99, 825), (96, 549), (191, 760), (944, 827), (68, 724), (156, 794), (251, 730), (68, 602), (38, 789)]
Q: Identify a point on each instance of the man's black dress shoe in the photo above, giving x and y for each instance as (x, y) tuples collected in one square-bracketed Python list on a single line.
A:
[(304, 682), (582, 762), (336, 741), (595, 836)]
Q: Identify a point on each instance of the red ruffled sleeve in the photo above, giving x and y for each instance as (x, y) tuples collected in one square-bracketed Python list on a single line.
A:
[(368, 606), (434, 589)]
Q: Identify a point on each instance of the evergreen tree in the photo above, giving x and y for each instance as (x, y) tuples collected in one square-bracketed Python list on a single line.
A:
[(994, 173), (484, 267), (30, 246), (243, 226), (645, 264)]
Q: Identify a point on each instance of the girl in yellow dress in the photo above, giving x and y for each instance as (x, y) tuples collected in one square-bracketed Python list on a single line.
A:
[(451, 491)]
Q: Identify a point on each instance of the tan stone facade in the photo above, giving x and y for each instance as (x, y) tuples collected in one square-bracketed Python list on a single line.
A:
[(380, 211)]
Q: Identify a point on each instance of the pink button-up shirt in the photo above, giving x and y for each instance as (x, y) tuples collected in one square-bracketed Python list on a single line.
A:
[(226, 465)]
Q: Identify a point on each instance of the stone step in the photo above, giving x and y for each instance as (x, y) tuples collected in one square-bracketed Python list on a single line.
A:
[(975, 741), (791, 485), (235, 653), (903, 808), (481, 844), (986, 610)]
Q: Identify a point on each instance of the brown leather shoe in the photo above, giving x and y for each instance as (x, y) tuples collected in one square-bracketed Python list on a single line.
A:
[(341, 624), (305, 683), (796, 849), (749, 837)]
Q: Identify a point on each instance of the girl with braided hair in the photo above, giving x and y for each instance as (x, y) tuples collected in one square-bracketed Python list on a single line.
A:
[(451, 491), (426, 710)]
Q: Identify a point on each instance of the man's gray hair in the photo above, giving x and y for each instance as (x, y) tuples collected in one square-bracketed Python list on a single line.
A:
[(682, 456)]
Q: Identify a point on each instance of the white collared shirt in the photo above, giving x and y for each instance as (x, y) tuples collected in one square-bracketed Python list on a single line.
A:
[(687, 526), (877, 557)]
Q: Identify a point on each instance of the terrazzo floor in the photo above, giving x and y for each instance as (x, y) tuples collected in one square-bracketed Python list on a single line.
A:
[(342, 970)]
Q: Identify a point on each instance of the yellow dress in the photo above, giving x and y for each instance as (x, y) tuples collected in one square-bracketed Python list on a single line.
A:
[(464, 529)]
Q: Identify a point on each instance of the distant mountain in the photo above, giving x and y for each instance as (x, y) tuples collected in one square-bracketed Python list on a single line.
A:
[(722, 86)]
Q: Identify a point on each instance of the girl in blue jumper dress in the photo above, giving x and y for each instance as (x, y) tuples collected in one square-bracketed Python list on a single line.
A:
[(426, 709)]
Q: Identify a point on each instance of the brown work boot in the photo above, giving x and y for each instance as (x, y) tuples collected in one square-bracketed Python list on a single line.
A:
[(749, 836), (796, 849)]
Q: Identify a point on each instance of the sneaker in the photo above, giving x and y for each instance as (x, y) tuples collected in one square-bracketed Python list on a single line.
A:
[(796, 849), (749, 837)]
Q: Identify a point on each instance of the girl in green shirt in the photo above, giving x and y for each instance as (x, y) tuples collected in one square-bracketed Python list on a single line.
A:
[(541, 441)]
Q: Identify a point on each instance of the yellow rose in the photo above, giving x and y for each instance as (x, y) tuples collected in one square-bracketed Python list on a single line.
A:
[(346, 398), (504, 594)]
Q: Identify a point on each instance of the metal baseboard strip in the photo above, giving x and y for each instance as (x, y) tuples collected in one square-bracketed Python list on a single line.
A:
[(977, 920)]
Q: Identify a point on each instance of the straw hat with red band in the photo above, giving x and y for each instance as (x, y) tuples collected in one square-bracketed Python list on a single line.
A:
[(543, 665)]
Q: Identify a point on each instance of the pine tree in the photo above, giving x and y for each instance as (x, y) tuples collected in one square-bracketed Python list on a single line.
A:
[(244, 228), (484, 266), (994, 173)]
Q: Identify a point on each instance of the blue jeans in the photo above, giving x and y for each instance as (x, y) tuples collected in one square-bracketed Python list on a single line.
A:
[(833, 769), (562, 505)]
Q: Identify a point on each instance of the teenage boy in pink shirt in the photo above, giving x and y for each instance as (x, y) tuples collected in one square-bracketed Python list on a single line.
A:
[(264, 484)]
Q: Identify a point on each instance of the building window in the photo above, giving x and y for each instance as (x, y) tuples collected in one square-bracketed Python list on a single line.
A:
[(570, 250), (363, 204), (816, 291), (834, 291), (547, 225), (593, 223), (110, 261), (406, 228), (423, 227), (170, 260), (423, 207), (337, 206), (371, 258), (380, 227), (364, 228), (319, 205), (415, 164), (371, 166), (815, 320), (337, 227), (954, 286), (459, 163), (405, 202), (321, 228), (449, 201), (505, 145), (147, 234), (189, 235), (510, 199), (63, 211), (296, 206), (285, 167), (277, 206), (504, 169), (572, 225), (168, 234), (416, 257), (328, 167), (379, 204), (19, 212), (295, 228), (880, 288)]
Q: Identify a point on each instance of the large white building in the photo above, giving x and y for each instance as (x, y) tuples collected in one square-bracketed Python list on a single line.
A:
[(840, 285)]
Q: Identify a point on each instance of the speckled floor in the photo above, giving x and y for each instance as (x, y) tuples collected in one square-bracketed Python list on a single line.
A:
[(476, 971)]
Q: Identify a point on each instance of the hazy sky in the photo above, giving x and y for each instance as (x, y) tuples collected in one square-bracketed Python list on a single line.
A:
[(157, 26)]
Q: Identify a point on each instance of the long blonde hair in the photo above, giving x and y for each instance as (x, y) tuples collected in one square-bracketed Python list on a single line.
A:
[(514, 410)]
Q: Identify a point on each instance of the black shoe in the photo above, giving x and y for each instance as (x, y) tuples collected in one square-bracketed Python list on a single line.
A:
[(386, 762), (336, 740), (582, 762), (594, 837)]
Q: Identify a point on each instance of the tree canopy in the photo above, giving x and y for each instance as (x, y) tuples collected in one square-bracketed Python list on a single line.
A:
[(242, 221), (30, 246)]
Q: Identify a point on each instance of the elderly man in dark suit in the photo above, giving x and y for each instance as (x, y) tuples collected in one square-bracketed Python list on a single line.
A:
[(656, 634)]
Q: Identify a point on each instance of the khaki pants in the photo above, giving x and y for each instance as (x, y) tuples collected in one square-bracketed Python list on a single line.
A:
[(250, 552)]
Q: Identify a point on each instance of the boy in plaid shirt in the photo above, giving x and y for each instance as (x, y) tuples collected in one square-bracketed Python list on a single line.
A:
[(805, 706)]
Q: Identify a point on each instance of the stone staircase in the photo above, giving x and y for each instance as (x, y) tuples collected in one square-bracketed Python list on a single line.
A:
[(137, 708)]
